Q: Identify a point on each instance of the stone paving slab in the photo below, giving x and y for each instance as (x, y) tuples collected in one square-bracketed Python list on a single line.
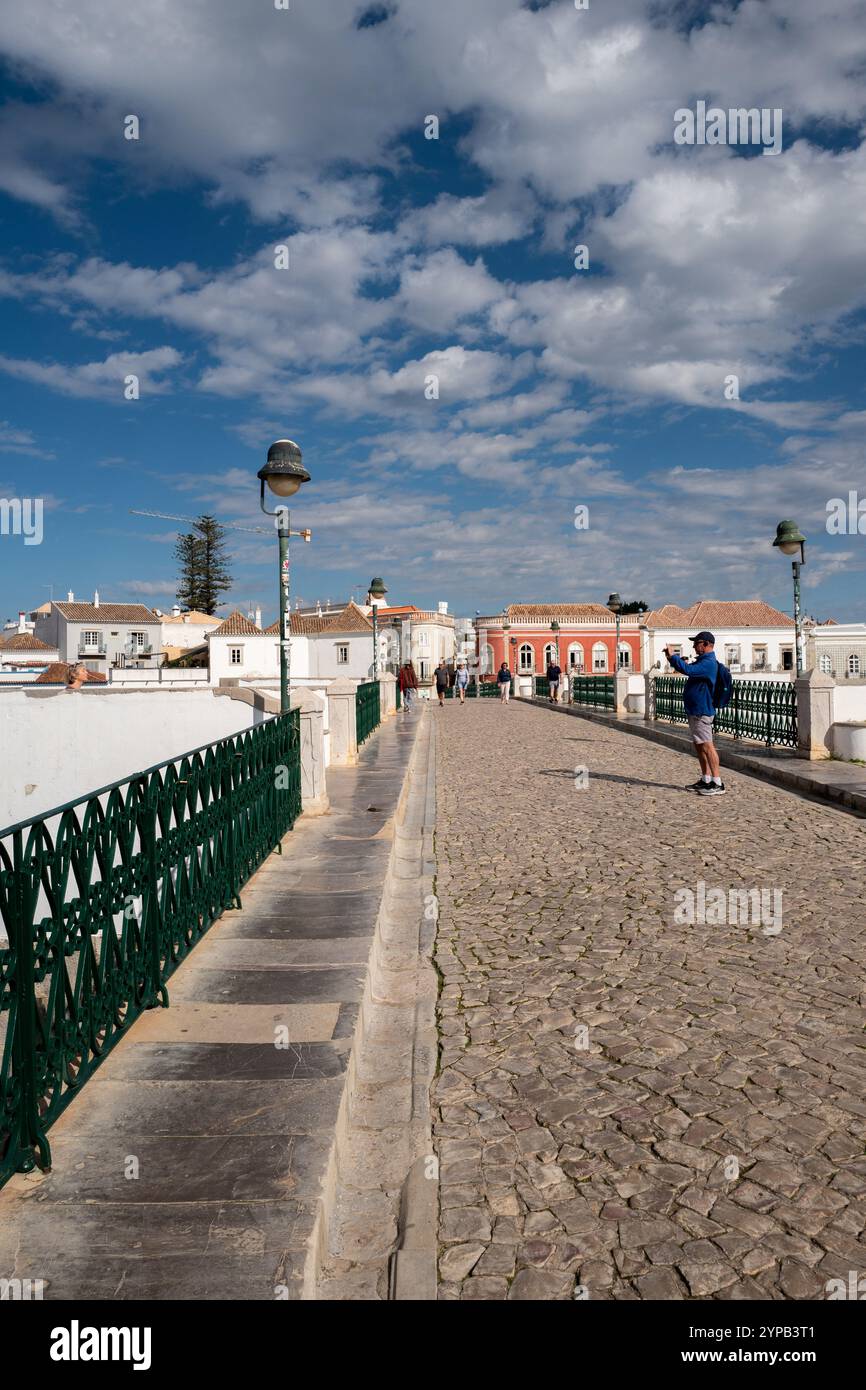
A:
[(830, 779), (639, 1099), (192, 1164)]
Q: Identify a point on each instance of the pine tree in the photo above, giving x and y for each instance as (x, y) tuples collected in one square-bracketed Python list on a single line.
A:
[(187, 552), (214, 575)]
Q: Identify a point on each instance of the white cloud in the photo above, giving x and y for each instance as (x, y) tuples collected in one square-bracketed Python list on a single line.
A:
[(99, 379)]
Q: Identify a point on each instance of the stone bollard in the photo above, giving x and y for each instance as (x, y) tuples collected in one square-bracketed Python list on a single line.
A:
[(387, 695), (314, 795), (814, 714), (341, 723), (620, 697), (649, 711)]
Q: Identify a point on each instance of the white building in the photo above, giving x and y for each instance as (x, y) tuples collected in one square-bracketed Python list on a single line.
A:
[(323, 648), (101, 634), (181, 630), (837, 649), (751, 636), (418, 635), (23, 656)]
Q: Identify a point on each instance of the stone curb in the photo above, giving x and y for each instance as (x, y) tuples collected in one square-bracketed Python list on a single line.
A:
[(373, 1237), (842, 797)]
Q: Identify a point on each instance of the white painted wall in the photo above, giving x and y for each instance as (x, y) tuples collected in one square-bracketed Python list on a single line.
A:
[(56, 746), (260, 655), (773, 638), (849, 701), (171, 676)]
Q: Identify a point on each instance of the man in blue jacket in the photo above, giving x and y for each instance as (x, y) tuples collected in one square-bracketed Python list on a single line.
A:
[(698, 699)]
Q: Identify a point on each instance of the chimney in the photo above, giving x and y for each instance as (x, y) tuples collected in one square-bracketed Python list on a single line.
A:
[(96, 598), (258, 617), (22, 625), (175, 612), (70, 597)]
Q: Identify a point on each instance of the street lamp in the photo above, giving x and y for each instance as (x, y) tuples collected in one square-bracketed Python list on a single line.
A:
[(284, 472), (791, 541), (614, 603), (377, 592), (506, 628), (554, 627)]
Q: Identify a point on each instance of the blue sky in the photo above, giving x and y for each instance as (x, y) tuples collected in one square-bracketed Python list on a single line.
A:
[(411, 257)]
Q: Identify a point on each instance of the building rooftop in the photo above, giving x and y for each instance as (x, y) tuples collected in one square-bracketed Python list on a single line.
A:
[(106, 613), (236, 625), (24, 642), (712, 613), (546, 612), (349, 619), (56, 673), (192, 617)]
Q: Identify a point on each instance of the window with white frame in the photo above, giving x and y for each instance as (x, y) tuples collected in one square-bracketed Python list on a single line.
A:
[(527, 657), (236, 656), (599, 657), (137, 640), (425, 670), (787, 654), (342, 653), (90, 639), (853, 665), (575, 657), (732, 654), (550, 654), (624, 656), (759, 658)]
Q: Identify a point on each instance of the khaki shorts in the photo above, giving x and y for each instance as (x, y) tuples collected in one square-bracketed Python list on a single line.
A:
[(701, 727)]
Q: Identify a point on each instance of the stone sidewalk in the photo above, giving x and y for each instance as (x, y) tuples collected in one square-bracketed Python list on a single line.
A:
[(191, 1166), (633, 1104)]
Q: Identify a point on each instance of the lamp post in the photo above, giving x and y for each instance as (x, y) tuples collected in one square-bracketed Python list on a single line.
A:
[(506, 628), (554, 627), (791, 541), (614, 603), (284, 472), (377, 592)]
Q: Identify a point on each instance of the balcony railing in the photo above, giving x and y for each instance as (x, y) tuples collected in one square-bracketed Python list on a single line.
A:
[(101, 900)]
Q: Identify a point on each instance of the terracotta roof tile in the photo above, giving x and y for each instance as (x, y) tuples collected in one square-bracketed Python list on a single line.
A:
[(25, 642), (713, 613), (107, 613), (55, 674), (236, 625), (546, 612)]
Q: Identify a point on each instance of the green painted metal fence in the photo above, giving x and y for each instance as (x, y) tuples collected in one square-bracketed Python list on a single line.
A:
[(762, 710), (367, 713), (542, 687), (598, 691), (101, 900)]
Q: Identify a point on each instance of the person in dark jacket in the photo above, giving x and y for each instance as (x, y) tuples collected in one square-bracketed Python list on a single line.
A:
[(554, 671), (443, 680), (503, 680), (408, 683), (700, 711)]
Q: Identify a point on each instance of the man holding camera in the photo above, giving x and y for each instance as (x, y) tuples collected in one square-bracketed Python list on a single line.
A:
[(701, 677)]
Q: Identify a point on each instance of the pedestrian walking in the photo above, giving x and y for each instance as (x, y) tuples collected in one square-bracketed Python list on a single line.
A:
[(443, 680), (408, 683), (461, 680), (554, 672), (708, 687), (503, 680)]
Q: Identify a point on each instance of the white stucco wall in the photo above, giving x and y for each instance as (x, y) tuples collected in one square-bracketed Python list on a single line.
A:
[(56, 747)]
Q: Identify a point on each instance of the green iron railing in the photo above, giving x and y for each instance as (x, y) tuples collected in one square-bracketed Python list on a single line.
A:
[(542, 687), (598, 691), (101, 900), (367, 714), (762, 710)]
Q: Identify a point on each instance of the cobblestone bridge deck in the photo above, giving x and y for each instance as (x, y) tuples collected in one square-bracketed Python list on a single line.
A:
[(629, 1105)]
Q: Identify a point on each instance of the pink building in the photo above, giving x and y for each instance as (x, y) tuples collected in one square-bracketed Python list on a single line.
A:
[(522, 636)]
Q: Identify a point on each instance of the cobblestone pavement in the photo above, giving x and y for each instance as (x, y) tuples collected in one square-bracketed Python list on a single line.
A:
[(630, 1106)]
